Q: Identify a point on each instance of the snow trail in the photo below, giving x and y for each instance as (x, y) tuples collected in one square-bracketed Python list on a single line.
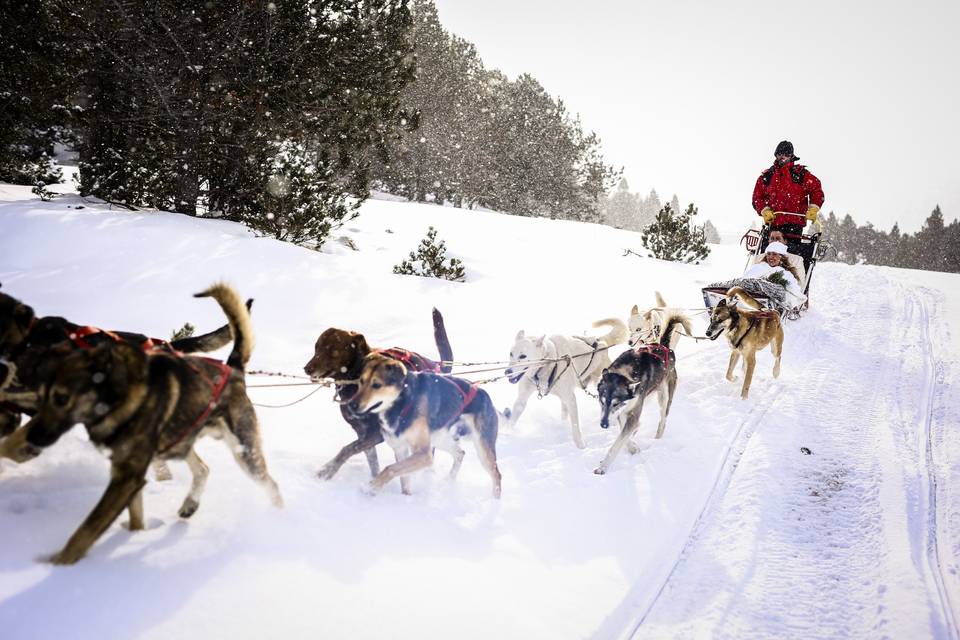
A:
[(805, 545)]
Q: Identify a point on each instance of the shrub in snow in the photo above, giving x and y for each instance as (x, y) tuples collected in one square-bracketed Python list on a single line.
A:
[(429, 261), (40, 189), (673, 236)]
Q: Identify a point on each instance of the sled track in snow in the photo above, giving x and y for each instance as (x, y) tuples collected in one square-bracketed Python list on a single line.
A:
[(930, 505), (731, 458)]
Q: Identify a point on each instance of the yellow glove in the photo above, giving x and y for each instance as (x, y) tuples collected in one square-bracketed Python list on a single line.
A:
[(768, 215), (812, 212)]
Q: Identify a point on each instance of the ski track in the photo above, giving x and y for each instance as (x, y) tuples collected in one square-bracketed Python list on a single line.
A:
[(845, 513)]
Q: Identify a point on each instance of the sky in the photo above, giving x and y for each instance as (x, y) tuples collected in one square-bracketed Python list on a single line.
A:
[(692, 97)]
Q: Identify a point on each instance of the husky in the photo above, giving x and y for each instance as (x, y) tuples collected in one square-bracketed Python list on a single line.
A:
[(748, 331), (140, 405), (633, 376), (339, 354), (419, 411), (647, 326), (587, 357)]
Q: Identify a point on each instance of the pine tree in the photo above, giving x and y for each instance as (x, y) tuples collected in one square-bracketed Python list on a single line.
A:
[(37, 78), (429, 261), (673, 236)]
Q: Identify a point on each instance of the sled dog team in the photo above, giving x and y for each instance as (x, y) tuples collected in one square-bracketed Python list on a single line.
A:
[(147, 400)]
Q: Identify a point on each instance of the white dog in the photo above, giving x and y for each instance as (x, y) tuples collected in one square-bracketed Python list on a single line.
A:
[(648, 326), (588, 357)]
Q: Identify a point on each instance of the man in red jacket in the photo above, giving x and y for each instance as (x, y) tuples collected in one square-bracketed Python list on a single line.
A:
[(787, 195)]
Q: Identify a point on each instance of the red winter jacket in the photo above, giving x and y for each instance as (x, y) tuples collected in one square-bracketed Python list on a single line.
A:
[(790, 189)]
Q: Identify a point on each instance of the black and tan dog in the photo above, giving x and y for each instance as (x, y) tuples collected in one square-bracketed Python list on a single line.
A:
[(34, 347), (747, 331), (339, 354), (141, 405), (419, 411), (633, 376)]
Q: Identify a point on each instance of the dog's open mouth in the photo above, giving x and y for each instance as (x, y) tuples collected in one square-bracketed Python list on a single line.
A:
[(515, 378), (371, 408)]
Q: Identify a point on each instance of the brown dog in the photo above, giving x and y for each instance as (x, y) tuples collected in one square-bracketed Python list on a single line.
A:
[(419, 411), (35, 347), (141, 405), (339, 355), (748, 331)]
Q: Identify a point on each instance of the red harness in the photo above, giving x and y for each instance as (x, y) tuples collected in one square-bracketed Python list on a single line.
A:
[(79, 336), (466, 398), (659, 351), (216, 386), (414, 361), (216, 390)]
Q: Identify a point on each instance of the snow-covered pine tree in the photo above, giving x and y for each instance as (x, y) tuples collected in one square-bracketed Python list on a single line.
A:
[(673, 236), (429, 261)]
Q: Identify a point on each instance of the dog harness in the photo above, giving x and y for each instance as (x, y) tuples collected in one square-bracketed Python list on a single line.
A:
[(662, 353), (659, 351), (217, 385), (466, 397), (759, 315), (414, 361), (79, 336)]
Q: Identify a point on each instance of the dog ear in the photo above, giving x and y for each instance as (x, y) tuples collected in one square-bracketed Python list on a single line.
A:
[(660, 301), (358, 342), (635, 310), (722, 303), (520, 335), (23, 315)]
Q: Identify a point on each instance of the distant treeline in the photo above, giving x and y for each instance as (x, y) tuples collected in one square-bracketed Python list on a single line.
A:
[(936, 247)]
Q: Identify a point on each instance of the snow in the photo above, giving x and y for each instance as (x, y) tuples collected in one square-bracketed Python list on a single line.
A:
[(723, 528)]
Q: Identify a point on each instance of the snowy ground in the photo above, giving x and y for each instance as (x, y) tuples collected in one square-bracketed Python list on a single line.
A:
[(722, 529)]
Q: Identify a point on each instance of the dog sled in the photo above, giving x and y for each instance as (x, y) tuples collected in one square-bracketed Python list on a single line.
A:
[(806, 247)]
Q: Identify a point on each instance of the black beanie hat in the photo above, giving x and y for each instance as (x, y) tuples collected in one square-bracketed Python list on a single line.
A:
[(785, 148)]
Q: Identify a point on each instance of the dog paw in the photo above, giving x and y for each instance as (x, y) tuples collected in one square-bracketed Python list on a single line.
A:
[(326, 473), (189, 508), (62, 557), (600, 471)]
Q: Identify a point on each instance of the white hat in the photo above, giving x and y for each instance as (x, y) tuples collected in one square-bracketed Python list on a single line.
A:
[(777, 247)]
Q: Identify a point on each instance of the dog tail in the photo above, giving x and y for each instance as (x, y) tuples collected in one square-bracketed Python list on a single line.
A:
[(443, 342), (618, 331), (660, 301), (212, 341), (238, 319), (670, 323), (746, 298)]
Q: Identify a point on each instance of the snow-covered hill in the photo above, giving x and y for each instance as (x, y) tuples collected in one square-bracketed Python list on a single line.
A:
[(722, 528)]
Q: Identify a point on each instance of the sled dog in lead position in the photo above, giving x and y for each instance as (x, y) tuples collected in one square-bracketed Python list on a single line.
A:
[(419, 411), (747, 331), (588, 357), (634, 375)]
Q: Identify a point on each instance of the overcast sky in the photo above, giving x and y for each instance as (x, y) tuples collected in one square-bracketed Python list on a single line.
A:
[(691, 97)]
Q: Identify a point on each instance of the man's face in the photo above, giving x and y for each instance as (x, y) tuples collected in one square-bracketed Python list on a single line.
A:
[(783, 159), (777, 236)]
